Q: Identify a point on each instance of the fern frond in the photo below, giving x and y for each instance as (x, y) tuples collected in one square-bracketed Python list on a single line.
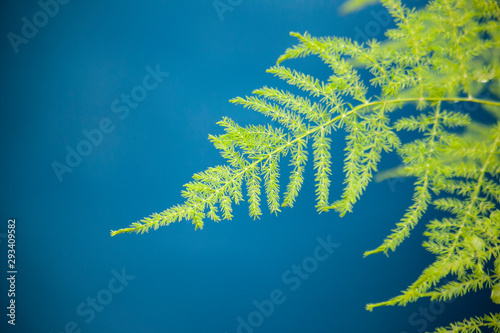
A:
[(459, 243), (322, 165), (473, 324), (363, 153), (253, 188), (445, 53), (305, 82), (289, 119), (270, 168), (312, 111), (299, 159), (421, 199)]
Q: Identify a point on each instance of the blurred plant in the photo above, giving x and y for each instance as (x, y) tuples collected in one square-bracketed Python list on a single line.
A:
[(355, 5), (445, 53)]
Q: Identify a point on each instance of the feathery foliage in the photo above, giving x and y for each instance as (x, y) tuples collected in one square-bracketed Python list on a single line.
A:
[(435, 59)]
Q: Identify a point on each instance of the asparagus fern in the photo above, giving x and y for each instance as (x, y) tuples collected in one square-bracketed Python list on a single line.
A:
[(444, 54)]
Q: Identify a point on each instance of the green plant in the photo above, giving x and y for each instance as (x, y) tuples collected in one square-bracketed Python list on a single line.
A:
[(444, 54)]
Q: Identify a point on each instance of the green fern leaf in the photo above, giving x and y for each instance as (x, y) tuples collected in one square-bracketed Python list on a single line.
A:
[(445, 53)]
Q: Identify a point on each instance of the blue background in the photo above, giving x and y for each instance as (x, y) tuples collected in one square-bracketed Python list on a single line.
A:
[(64, 80)]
